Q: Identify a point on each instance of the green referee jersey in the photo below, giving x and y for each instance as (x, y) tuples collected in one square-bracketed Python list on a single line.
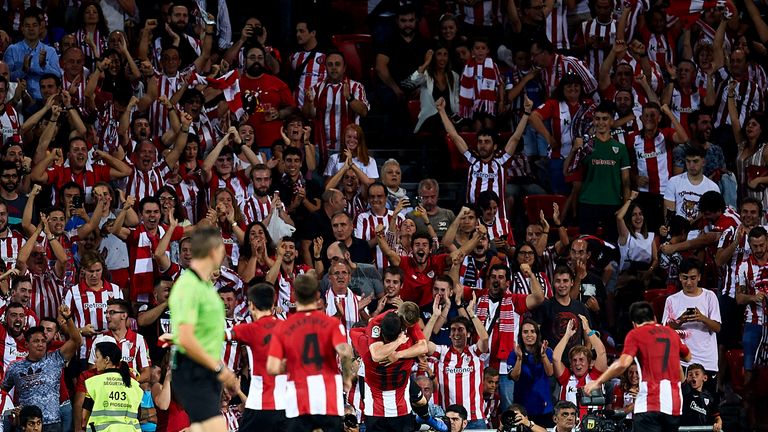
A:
[(196, 302)]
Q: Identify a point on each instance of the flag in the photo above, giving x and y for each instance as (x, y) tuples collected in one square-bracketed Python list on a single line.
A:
[(688, 11), (228, 83)]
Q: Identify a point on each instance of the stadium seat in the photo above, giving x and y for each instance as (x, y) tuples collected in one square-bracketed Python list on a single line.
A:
[(651, 294), (735, 360), (358, 54), (534, 204), (658, 307)]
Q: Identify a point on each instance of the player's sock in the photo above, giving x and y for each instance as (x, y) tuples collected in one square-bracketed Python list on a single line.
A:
[(421, 411)]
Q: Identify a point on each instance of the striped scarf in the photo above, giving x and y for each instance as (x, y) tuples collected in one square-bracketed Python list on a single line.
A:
[(478, 88)]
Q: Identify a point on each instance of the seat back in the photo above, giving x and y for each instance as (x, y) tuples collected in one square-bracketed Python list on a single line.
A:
[(535, 204), (358, 54)]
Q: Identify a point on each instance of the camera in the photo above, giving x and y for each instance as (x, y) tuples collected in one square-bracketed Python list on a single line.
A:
[(509, 422), (598, 418), (350, 421)]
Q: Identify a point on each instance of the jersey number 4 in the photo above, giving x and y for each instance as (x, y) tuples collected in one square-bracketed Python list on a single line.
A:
[(310, 354)]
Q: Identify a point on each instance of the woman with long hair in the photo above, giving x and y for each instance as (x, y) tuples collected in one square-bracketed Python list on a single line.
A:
[(255, 252), (451, 38), (752, 159), (92, 31), (625, 393), (354, 155), (231, 222), (526, 254), (100, 389), (170, 204), (638, 247), (436, 80), (530, 366)]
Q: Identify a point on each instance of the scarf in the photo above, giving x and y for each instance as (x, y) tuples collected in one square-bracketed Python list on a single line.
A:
[(503, 329), (478, 88)]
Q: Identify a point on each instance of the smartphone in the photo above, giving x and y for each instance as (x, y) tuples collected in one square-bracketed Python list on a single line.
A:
[(690, 311), (77, 201)]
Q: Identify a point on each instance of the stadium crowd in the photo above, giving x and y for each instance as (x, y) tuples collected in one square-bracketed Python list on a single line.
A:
[(606, 153)]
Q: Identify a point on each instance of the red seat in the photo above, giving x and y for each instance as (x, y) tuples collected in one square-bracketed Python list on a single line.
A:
[(458, 162), (658, 307), (414, 108), (535, 204), (735, 360), (652, 294), (358, 54)]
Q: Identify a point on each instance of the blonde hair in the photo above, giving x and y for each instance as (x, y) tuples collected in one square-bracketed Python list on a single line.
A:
[(362, 148)]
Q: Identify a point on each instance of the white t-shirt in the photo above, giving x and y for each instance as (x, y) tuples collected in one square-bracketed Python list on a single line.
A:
[(335, 164), (686, 195), (698, 337)]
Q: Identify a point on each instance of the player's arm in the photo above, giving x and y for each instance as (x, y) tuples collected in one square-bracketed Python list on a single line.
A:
[(616, 369), (275, 366), (724, 254), (380, 350)]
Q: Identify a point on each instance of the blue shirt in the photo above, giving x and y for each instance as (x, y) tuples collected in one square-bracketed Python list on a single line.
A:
[(14, 56), (532, 388)]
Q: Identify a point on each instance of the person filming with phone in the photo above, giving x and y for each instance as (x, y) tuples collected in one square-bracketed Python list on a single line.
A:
[(695, 313)]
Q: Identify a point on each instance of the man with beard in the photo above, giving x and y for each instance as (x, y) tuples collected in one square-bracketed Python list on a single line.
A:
[(11, 333), (282, 274), (257, 206), (9, 192), (21, 293), (439, 218), (422, 267), (473, 269), (148, 174), (334, 103), (555, 66), (77, 168), (487, 168), (204, 121), (306, 65), (700, 127), (275, 100), (142, 241), (174, 33), (11, 240), (500, 311)]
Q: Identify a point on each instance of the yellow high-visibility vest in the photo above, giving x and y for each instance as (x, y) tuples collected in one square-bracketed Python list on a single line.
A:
[(115, 406)]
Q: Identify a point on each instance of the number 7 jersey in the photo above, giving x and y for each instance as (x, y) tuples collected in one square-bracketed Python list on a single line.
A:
[(307, 341)]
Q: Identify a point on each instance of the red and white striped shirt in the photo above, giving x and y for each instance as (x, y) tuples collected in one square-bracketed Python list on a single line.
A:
[(11, 350), (365, 229), (460, 378), (599, 31), (563, 65), (9, 122), (757, 75), (285, 287), (484, 13), (237, 182), (100, 40), (684, 104), (90, 307), (740, 254), (230, 350), (570, 383), (188, 193), (141, 248), (755, 277), (59, 175), (500, 229), (350, 314), (142, 184), (747, 95), (205, 129), (255, 208), (557, 26), (484, 176), (661, 47), (78, 97), (133, 346), (47, 293), (266, 392), (333, 113), (522, 285), (10, 244), (654, 159), (312, 73), (159, 116)]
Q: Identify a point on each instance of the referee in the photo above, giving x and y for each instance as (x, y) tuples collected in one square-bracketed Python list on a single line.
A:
[(198, 323)]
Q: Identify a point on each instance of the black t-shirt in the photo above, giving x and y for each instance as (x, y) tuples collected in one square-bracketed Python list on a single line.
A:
[(153, 332), (699, 408), (553, 318), (404, 57)]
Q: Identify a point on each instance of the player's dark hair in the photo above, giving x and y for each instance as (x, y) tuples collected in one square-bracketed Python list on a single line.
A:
[(489, 133), (689, 264), (391, 327), (462, 321), (421, 235), (712, 201), (564, 405), (695, 366), (458, 409), (32, 330), (292, 151), (124, 305), (262, 296), (305, 289), (485, 198), (606, 106), (111, 351), (29, 412), (444, 278), (641, 312)]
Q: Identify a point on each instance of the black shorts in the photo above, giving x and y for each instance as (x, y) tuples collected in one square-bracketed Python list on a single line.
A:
[(266, 420), (404, 423), (655, 422), (196, 388), (315, 423)]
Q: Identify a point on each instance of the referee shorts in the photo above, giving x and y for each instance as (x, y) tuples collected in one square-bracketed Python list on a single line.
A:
[(196, 388), (262, 420)]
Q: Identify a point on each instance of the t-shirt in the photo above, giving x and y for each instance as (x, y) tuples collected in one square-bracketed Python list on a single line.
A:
[(440, 221), (307, 341), (273, 94), (699, 408), (686, 195), (602, 184), (417, 286), (532, 387), (404, 57), (700, 339), (657, 350), (37, 383), (554, 318), (195, 301), (16, 209)]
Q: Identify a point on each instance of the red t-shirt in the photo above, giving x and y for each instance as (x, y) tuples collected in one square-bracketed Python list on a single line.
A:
[(263, 394), (272, 93), (307, 341), (417, 286), (657, 350)]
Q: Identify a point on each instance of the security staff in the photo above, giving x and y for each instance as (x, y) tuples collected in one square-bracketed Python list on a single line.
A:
[(113, 397)]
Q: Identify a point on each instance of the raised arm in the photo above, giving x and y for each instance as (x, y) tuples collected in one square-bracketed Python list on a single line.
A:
[(210, 160), (161, 257), (117, 226), (72, 345), (514, 140), (620, 224), (393, 257), (536, 297), (601, 359), (557, 354), (449, 128), (733, 112), (680, 136), (757, 20), (718, 45)]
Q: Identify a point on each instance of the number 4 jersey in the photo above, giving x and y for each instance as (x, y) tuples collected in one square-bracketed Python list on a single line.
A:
[(386, 390), (308, 341)]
